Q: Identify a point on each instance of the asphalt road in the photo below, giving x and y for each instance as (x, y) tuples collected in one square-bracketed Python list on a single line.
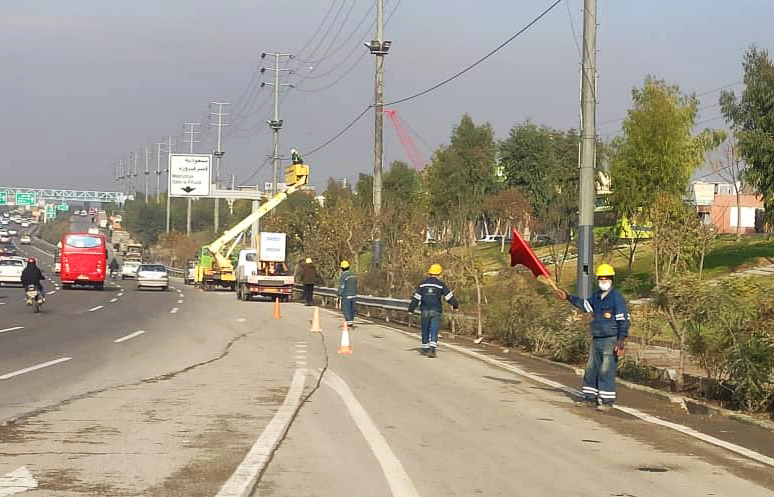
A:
[(166, 393)]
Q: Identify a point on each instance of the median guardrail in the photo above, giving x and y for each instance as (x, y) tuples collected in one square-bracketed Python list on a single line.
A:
[(175, 272)]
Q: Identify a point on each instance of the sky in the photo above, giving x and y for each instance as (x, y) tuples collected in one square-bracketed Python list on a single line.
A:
[(84, 83)]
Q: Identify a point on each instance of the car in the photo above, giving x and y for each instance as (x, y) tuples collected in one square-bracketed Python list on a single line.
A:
[(6, 214), (7, 250), (5, 239), (25, 224), (152, 275), (491, 239), (93, 230), (25, 240), (11, 270), (129, 269), (13, 232)]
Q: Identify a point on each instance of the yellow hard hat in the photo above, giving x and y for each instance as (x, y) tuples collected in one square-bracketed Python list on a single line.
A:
[(605, 270), (435, 270), (308, 260), (344, 264)]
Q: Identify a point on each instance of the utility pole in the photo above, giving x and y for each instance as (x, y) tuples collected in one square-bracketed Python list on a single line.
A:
[(158, 170), (146, 175), (191, 140), (584, 283), (218, 156), (170, 150), (378, 47), (276, 123)]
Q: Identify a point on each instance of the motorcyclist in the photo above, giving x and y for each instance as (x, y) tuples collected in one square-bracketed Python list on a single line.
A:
[(113, 267), (32, 276)]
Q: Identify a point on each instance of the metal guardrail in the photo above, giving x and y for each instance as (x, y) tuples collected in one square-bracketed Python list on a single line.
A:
[(175, 272), (362, 300)]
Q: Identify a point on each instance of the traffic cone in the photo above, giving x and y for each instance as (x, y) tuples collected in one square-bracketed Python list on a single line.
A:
[(316, 328), (277, 314), (345, 348)]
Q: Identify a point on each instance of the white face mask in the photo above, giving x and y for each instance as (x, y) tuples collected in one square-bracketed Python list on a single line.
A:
[(605, 285)]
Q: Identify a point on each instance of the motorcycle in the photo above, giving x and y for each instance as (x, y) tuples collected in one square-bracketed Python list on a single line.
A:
[(33, 298)]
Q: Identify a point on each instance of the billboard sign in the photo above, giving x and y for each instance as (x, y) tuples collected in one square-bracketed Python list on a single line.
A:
[(190, 175), (28, 198)]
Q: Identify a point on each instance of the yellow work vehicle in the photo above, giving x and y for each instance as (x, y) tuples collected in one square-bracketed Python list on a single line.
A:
[(215, 266)]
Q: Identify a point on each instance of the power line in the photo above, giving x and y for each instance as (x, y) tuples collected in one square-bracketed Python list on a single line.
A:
[(479, 61), (572, 28), (319, 27), (258, 169), (337, 135)]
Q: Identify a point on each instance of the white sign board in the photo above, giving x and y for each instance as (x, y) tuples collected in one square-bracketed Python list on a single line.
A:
[(703, 193), (748, 217), (189, 175), (272, 247)]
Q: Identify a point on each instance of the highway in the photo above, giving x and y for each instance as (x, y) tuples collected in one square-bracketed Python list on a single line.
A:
[(188, 393)]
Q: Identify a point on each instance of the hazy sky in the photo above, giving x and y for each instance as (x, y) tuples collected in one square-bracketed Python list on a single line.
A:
[(85, 82)]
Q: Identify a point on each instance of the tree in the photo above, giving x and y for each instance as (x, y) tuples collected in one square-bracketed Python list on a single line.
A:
[(731, 168), (462, 174), (750, 118), (364, 192), (657, 153), (400, 185), (509, 208), (677, 236)]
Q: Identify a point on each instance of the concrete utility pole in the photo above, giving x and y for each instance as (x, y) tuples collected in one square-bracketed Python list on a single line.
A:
[(158, 170), (146, 175), (276, 123), (378, 47), (191, 140), (218, 156), (170, 150), (585, 275)]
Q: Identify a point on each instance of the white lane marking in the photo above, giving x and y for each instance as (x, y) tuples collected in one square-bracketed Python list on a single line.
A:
[(114, 299), (12, 329), (2, 303), (241, 483), (300, 363), (397, 478), (120, 294), (238, 320), (179, 301), (96, 308), (33, 368), (633, 412), (52, 292), (129, 336), (173, 311), (17, 481)]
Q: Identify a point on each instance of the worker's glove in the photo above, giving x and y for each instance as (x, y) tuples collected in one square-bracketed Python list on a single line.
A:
[(620, 348), (561, 294)]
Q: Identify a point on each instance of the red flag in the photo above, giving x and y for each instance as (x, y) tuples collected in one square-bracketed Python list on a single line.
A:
[(522, 254)]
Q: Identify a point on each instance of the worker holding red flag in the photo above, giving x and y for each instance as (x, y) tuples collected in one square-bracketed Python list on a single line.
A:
[(609, 329)]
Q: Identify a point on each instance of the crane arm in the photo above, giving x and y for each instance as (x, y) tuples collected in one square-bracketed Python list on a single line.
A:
[(296, 177)]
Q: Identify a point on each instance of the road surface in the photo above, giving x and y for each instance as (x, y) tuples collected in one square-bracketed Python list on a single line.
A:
[(120, 392)]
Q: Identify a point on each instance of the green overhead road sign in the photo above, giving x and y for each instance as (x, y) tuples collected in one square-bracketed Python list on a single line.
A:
[(62, 207), (3, 198), (26, 198)]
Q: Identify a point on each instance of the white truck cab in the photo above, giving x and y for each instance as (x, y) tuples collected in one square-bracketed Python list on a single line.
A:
[(264, 271)]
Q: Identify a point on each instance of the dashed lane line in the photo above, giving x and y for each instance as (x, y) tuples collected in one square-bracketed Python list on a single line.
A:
[(96, 308), (120, 294), (242, 482), (179, 301), (13, 328), (114, 299), (34, 368), (173, 311), (129, 336), (52, 292)]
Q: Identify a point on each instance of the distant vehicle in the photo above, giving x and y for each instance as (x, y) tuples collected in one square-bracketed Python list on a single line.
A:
[(5, 239), (491, 239), (129, 269), (6, 214), (25, 240), (83, 260), (152, 275), (3, 232), (25, 224), (93, 230), (13, 232), (11, 270), (7, 250), (190, 271)]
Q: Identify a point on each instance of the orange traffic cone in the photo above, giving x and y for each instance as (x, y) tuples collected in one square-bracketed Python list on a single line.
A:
[(345, 348), (316, 328), (277, 314)]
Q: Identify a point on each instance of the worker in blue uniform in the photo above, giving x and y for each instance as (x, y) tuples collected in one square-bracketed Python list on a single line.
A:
[(429, 297), (348, 293), (609, 329)]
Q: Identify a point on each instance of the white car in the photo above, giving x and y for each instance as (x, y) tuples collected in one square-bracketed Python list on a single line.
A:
[(84, 213), (491, 239), (25, 224), (11, 270), (4, 232), (152, 275), (25, 240), (5, 239), (13, 232), (129, 269)]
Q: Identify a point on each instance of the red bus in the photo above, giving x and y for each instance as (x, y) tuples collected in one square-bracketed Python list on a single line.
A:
[(83, 260)]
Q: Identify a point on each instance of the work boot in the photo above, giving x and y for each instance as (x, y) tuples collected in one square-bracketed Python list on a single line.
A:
[(604, 407), (431, 352), (585, 403), (424, 350)]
